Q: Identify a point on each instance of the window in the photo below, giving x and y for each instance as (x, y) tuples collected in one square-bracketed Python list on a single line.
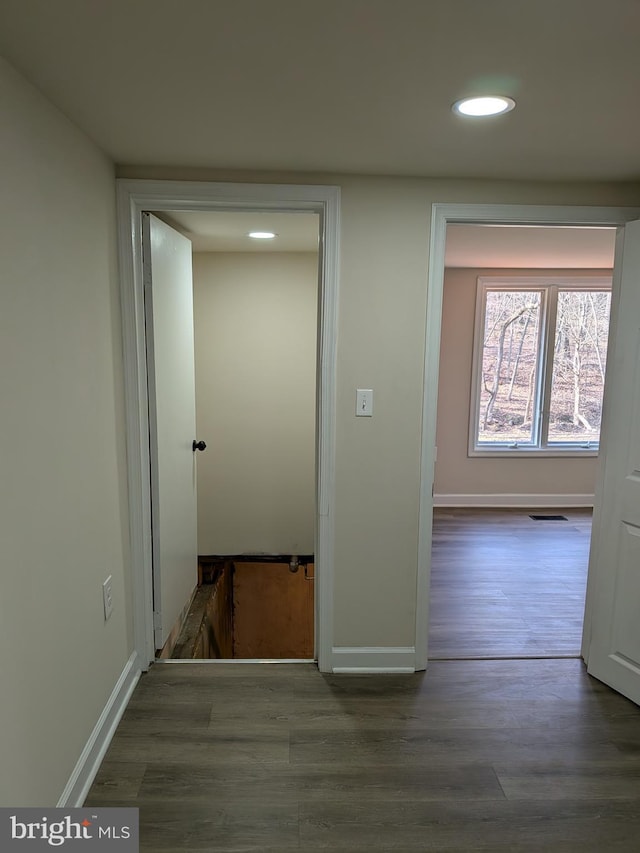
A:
[(539, 364)]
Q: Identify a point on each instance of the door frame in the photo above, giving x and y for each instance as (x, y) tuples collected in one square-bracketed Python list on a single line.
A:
[(497, 214), (136, 196)]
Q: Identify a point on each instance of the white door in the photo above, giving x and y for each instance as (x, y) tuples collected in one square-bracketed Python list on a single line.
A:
[(614, 650), (168, 286)]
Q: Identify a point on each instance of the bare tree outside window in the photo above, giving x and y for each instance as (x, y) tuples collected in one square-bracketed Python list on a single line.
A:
[(531, 335), (509, 365), (579, 361)]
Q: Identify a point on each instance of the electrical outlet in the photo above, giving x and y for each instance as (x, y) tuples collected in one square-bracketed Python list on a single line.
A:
[(107, 597)]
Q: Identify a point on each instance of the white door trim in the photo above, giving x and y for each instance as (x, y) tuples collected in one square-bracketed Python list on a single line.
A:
[(441, 215), (135, 196)]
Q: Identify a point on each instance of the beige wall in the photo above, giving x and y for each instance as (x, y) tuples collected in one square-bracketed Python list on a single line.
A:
[(456, 473), (255, 340), (63, 509), (382, 305)]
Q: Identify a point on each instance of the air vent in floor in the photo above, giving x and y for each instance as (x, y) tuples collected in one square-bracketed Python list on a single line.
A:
[(549, 517)]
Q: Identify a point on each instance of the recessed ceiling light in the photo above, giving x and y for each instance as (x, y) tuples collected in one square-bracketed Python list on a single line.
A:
[(486, 106), (262, 235)]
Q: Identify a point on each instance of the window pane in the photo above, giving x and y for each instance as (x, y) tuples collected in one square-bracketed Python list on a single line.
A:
[(579, 360), (508, 379)]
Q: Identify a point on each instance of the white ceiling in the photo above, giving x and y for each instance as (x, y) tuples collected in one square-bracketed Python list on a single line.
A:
[(529, 247), (467, 245), (359, 86), (228, 231)]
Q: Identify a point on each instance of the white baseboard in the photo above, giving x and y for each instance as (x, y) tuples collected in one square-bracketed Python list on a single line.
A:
[(499, 501), (94, 751), (373, 659)]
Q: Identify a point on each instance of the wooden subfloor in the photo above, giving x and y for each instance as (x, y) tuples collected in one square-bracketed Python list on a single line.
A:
[(503, 585), (529, 755)]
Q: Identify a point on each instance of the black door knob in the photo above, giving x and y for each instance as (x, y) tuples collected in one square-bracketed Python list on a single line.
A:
[(198, 445)]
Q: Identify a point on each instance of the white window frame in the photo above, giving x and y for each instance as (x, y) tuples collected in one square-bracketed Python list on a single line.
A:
[(548, 287)]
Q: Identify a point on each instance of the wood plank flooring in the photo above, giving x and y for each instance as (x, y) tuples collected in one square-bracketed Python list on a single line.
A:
[(503, 585), (529, 755)]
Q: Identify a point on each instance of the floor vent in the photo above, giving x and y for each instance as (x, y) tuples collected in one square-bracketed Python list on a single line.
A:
[(549, 517)]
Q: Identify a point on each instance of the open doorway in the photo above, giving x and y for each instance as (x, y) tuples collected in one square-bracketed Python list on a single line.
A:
[(522, 356), (136, 197), (255, 324)]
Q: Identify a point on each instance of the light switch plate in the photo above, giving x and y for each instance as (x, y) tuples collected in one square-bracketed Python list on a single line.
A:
[(107, 597), (364, 402)]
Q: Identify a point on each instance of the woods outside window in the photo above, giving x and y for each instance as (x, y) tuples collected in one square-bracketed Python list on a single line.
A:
[(539, 363)]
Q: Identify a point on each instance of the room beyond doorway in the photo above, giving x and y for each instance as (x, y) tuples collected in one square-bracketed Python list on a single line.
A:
[(255, 327), (504, 585), (494, 590)]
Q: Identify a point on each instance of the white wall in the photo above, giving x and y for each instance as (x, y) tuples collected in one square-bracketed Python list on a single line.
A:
[(457, 474), (382, 309), (63, 510), (255, 331)]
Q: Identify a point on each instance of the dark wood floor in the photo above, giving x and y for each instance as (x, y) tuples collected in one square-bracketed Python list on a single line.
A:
[(503, 585), (529, 755)]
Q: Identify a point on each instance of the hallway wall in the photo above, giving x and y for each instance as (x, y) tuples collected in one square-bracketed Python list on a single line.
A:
[(384, 253), (255, 341), (63, 504)]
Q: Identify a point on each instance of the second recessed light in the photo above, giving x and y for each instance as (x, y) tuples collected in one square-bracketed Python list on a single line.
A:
[(490, 105), (262, 235)]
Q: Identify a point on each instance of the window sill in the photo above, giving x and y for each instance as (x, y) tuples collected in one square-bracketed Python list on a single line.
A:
[(537, 452)]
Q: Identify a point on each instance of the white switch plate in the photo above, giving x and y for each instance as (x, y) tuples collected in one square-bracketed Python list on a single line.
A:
[(364, 402), (107, 597)]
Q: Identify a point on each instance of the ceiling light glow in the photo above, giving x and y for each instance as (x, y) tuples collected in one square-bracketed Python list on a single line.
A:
[(262, 235), (492, 105)]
